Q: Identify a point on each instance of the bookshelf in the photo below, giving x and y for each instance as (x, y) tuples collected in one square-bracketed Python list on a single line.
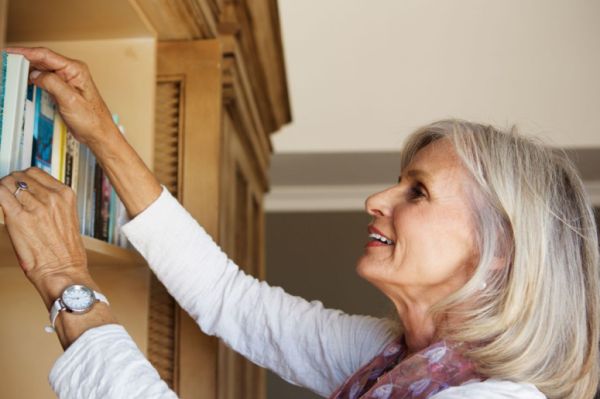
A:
[(199, 86), (120, 51)]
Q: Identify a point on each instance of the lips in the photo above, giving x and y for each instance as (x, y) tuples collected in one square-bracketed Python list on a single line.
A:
[(375, 230), (377, 238)]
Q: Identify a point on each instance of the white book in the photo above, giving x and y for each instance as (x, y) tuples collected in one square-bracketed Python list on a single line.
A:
[(27, 137), (15, 91)]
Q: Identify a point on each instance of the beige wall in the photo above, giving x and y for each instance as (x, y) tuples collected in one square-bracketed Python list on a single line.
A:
[(364, 74), (28, 352)]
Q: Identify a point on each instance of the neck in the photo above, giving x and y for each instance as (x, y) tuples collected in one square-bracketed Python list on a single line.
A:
[(419, 328)]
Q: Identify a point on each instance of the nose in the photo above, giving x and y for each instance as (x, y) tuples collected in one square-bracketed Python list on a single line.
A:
[(380, 204)]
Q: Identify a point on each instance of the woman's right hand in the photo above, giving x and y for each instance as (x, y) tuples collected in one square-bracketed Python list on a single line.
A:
[(76, 96)]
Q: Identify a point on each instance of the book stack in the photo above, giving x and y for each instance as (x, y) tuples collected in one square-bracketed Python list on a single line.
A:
[(32, 133)]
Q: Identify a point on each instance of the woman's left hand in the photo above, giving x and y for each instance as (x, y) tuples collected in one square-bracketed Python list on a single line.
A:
[(43, 226)]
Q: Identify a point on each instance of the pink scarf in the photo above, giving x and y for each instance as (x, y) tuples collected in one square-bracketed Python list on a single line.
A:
[(392, 375)]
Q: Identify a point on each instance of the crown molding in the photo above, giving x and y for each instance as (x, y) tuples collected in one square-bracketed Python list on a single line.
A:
[(319, 198), (593, 189), (339, 198)]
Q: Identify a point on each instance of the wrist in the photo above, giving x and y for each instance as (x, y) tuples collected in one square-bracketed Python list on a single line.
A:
[(51, 285)]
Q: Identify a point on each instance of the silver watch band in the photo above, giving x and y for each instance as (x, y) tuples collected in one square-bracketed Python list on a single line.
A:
[(58, 306)]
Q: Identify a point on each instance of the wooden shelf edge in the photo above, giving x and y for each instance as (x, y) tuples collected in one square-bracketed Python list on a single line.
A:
[(100, 253)]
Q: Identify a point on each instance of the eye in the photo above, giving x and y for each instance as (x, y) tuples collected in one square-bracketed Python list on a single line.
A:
[(416, 192)]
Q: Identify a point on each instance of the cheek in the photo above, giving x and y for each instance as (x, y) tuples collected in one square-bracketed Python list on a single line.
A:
[(433, 247)]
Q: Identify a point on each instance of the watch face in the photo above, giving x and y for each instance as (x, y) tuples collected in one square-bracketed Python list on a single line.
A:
[(78, 298)]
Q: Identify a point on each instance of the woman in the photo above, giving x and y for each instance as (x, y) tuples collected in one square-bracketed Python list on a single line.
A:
[(486, 246)]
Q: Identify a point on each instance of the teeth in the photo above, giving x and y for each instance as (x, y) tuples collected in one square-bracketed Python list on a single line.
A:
[(380, 238)]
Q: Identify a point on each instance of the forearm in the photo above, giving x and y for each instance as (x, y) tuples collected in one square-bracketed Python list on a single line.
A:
[(135, 184)]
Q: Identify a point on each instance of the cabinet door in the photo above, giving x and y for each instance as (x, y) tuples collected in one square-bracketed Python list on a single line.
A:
[(242, 238), (3, 17), (187, 158)]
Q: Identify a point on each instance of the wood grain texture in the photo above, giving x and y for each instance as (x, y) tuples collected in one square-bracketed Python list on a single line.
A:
[(3, 16), (196, 67), (253, 24)]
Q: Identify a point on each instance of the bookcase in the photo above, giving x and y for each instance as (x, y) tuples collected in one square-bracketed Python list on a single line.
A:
[(199, 86)]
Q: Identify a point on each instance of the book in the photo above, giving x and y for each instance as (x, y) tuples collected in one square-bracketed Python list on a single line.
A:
[(26, 144), (33, 133), (15, 70), (71, 162), (43, 130), (59, 138)]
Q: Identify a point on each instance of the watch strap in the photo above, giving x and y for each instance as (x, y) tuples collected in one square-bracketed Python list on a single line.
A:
[(58, 306)]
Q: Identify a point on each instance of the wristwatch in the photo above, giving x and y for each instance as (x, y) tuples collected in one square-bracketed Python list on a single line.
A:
[(76, 299)]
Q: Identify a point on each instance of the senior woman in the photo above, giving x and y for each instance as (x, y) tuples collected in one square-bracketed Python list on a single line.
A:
[(486, 246)]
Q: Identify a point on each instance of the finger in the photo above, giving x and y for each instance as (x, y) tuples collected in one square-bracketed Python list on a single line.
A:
[(41, 58), (24, 197), (71, 71), (36, 188), (43, 179), (64, 94), (9, 203)]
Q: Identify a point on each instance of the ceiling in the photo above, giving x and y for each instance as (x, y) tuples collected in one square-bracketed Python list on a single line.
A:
[(364, 74)]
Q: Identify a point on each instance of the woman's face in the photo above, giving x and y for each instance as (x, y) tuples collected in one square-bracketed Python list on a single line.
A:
[(427, 216)]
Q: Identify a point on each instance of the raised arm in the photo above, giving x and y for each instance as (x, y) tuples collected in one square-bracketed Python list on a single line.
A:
[(301, 341)]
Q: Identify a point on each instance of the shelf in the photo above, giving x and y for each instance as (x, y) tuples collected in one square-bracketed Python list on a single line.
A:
[(30, 20), (100, 253)]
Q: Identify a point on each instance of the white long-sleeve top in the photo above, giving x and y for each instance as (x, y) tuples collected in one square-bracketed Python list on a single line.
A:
[(301, 341)]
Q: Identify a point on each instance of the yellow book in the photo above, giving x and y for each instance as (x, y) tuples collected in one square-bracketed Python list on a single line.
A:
[(59, 142)]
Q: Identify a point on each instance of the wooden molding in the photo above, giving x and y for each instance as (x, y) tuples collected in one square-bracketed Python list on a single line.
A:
[(178, 19), (239, 100), (3, 18), (254, 25), (593, 189), (315, 198)]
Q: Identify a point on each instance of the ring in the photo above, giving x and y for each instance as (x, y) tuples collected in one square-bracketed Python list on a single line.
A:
[(21, 186)]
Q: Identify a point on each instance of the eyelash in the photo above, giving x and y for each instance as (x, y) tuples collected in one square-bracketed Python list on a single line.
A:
[(415, 192)]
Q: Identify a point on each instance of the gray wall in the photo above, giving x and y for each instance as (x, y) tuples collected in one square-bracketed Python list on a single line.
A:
[(313, 255)]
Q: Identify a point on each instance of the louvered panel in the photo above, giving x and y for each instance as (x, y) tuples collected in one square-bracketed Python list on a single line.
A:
[(162, 326), (166, 148), (161, 332)]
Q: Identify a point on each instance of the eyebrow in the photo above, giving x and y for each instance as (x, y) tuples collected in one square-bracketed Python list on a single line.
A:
[(416, 173)]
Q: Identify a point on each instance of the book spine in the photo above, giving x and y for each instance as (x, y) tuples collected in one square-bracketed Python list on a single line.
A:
[(75, 149), (4, 60), (91, 203), (43, 130), (98, 178), (82, 187), (69, 160), (105, 208), (27, 151)]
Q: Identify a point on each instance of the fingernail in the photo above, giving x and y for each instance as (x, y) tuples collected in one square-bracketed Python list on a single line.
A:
[(34, 74)]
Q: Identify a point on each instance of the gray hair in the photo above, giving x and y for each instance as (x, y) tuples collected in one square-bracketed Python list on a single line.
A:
[(536, 320)]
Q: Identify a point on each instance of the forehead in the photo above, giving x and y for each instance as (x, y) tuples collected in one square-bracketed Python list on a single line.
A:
[(438, 161)]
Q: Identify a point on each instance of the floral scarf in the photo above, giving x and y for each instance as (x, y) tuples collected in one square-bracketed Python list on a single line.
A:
[(392, 375)]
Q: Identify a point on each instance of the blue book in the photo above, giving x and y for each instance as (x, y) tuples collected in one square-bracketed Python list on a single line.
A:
[(43, 130)]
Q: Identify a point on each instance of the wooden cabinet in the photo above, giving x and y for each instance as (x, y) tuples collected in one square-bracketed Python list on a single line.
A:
[(199, 86)]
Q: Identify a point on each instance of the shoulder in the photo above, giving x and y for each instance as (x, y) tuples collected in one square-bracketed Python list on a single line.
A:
[(492, 389)]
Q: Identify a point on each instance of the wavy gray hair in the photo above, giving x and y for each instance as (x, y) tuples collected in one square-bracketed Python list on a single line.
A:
[(536, 320)]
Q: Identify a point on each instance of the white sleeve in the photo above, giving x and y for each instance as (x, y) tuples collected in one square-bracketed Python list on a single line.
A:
[(105, 363), (301, 341), (491, 389)]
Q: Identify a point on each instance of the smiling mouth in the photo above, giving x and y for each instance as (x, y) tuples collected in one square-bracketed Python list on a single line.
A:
[(379, 238)]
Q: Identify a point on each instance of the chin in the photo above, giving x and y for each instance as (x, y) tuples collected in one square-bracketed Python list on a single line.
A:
[(364, 269)]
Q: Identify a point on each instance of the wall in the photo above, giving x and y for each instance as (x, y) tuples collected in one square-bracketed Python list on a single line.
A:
[(313, 255), (364, 74)]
